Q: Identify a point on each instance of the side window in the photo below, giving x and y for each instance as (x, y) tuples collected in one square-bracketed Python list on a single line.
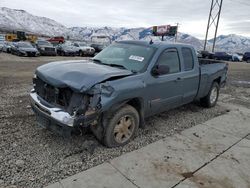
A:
[(170, 58), (188, 59)]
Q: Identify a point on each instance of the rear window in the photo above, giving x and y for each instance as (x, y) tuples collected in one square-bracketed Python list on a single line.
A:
[(188, 59)]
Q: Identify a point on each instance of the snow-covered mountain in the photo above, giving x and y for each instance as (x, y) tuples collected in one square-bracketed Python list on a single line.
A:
[(232, 43), (12, 19), (86, 33)]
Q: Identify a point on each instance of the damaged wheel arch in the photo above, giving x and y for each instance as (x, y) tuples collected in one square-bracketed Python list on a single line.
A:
[(99, 128)]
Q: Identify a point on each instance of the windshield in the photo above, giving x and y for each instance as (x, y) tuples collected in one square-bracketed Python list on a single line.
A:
[(130, 56), (24, 45), (44, 43)]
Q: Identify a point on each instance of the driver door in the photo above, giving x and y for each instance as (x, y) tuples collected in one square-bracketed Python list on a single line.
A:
[(166, 89)]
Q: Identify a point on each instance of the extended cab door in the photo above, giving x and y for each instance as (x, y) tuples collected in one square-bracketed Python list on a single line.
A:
[(165, 90), (190, 74)]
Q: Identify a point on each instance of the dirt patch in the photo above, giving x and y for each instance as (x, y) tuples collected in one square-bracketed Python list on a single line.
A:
[(33, 157)]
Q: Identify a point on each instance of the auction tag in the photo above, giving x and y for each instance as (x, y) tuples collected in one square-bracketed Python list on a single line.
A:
[(136, 58)]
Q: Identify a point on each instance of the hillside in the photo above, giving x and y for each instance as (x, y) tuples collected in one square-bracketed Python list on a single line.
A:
[(12, 19)]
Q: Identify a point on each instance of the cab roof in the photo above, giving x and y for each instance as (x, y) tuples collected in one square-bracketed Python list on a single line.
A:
[(154, 44)]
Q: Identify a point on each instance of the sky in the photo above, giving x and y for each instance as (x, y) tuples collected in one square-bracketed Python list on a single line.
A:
[(191, 14)]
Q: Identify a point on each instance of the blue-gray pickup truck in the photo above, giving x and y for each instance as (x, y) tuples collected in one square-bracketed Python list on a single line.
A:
[(114, 92)]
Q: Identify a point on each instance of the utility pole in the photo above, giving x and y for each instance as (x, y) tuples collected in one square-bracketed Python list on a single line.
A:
[(213, 20), (176, 36)]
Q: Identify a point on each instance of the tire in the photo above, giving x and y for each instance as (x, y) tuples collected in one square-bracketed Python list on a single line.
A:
[(248, 61), (121, 126), (80, 53), (212, 97)]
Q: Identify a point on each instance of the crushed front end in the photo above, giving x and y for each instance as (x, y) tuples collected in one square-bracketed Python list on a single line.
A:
[(61, 109)]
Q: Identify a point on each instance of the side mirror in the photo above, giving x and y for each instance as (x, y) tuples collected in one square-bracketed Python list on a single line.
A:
[(160, 70)]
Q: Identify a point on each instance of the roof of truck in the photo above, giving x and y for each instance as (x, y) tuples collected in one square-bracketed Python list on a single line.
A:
[(155, 44)]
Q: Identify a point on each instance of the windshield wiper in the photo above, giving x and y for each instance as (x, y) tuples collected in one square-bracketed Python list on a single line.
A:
[(116, 65), (113, 65), (97, 60), (109, 64)]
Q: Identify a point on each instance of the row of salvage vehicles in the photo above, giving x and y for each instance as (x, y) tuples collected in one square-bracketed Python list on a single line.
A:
[(43, 47), (28, 45)]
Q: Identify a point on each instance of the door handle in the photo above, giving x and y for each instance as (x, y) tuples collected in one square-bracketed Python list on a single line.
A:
[(178, 79)]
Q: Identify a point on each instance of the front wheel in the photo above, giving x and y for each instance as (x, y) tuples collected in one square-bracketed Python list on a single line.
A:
[(81, 53), (212, 97), (121, 127)]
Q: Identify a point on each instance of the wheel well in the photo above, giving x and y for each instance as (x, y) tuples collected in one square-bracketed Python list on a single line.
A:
[(218, 80), (138, 105)]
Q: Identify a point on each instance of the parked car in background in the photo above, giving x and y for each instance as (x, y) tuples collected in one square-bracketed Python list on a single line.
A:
[(236, 57), (223, 56), (45, 47), (198, 53), (67, 49), (84, 49), (206, 54), (98, 47), (246, 57), (7, 47), (114, 92), (1, 44), (56, 40), (24, 49)]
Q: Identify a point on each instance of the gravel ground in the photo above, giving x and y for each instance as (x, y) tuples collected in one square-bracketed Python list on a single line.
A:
[(33, 157)]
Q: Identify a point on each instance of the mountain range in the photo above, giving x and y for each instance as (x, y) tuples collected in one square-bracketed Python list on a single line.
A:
[(12, 20)]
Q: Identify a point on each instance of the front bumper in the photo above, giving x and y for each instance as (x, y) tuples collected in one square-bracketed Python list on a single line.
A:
[(56, 119)]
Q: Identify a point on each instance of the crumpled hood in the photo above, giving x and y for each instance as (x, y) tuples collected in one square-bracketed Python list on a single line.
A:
[(78, 75)]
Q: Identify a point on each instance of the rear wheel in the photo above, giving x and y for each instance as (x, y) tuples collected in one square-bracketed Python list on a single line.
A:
[(212, 97), (121, 127)]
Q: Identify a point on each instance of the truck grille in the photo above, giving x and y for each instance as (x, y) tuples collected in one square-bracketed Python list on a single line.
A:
[(57, 96)]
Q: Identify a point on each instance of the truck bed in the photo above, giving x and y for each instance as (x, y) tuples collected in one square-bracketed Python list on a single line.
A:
[(203, 61), (209, 71)]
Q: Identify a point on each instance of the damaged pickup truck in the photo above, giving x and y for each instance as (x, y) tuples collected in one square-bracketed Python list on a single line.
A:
[(114, 92)]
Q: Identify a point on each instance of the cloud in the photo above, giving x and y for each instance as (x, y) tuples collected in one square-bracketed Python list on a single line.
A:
[(191, 14)]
